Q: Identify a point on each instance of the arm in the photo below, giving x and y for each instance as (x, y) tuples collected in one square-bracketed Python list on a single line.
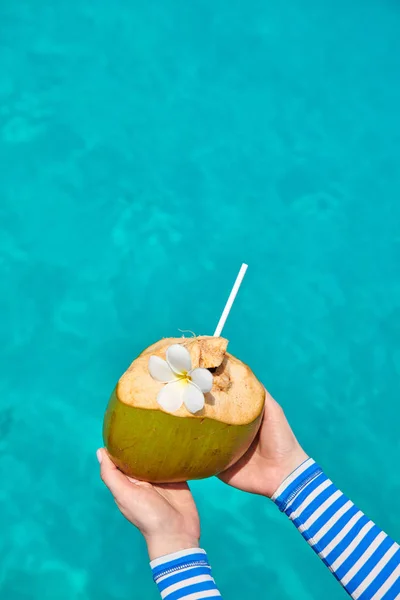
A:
[(361, 556), (167, 517), (184, 574)]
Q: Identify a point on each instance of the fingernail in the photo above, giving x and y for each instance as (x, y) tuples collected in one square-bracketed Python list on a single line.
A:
[(99, 455)]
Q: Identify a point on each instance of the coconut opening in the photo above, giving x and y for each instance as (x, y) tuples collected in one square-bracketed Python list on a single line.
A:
[(236, 395), (222, 376), (211, 350), (212, 356)]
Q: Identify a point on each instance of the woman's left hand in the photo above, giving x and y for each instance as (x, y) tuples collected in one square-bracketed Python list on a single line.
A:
[(165, 514)]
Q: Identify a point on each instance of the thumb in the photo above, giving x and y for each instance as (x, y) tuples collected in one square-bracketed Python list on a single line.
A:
[(116, 482), (273, 408)]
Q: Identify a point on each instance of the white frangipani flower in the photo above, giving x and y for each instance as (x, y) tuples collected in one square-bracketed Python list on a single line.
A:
[(183, 384)]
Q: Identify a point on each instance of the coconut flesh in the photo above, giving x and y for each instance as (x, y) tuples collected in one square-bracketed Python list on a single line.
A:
[(149, 444)]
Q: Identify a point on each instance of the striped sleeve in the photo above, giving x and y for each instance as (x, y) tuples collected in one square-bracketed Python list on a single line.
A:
[(360, 555), (185, 574)]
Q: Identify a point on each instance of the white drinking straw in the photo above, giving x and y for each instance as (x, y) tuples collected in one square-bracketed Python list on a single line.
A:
[(231, 300)]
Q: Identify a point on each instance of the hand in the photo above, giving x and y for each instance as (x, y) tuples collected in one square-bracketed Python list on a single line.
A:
[(274, 454), (165, 514)]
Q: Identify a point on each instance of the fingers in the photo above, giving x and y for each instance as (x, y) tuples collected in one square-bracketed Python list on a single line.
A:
[(174, 487), (116, 482), (177, 494)]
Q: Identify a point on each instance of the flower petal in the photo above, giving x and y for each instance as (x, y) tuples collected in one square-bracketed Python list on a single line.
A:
[(160, 370), (170, 396), (203, 379), (179, 359), (193, 398)]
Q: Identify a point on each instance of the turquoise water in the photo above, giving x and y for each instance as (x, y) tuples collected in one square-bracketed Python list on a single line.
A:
[(146, 150)]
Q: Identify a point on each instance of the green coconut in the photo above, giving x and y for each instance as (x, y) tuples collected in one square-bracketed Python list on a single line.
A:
[(149, 444)]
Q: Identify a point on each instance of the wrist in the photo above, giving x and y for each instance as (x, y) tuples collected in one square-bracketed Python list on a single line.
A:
[(292, 463), (289, 474), (285, 467), (293, 486), (161, 545)]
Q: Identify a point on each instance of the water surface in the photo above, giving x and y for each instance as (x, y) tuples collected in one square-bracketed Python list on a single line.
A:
[(146, 150)]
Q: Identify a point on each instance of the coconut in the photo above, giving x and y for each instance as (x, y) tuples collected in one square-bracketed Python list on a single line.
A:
[(150, 444)]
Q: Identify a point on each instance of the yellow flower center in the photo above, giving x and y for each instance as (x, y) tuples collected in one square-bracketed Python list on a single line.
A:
[(184, 376)]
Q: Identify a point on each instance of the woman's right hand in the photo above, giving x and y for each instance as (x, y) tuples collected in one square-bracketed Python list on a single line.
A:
[(274, 454)]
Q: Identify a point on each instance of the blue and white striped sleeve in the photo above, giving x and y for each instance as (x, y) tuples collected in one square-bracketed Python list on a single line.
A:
[(185, 574), (360, 555)]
